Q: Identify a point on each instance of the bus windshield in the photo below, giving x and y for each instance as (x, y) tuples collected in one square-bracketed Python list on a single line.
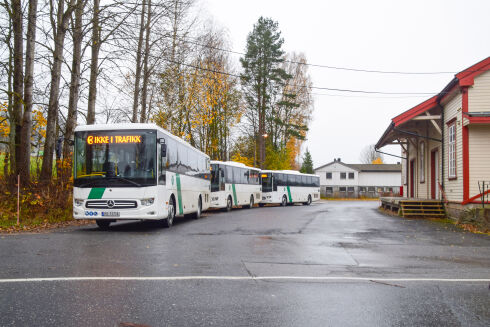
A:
[(214, 178), (123, 158), (266, 183)]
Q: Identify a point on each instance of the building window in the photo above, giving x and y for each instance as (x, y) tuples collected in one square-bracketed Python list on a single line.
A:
[(351, 175), (452, 150), (350, 189), (422, 162), (328, 190), (371, 189), (343, 175), (329, 175), (342, 189), (362, 189)]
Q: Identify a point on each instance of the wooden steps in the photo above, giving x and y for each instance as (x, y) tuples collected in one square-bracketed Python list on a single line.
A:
[(421, 208)]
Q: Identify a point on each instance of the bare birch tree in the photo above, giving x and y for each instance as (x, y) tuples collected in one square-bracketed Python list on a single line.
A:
[(71, 119), (60, 26), (25, 154)]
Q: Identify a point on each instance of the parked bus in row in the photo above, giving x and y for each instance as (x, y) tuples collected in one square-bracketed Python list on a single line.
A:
[(288, 187), (234, 184), (137, 171)]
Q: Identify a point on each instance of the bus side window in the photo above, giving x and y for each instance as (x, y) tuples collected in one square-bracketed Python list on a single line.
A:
[(228, 174), (171, 155), (274, 182), (245, 176), (236, 175)]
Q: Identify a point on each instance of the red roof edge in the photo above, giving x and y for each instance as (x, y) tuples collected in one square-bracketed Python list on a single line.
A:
[(466, 77), (415, 111)]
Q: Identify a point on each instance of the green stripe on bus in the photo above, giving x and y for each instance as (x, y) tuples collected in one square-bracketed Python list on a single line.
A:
[(96, 193), (289, 194), (234, 194), (179, 194)]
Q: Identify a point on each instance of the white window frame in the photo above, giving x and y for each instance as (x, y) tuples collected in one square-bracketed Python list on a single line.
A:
[(422, 162), (451, 150)]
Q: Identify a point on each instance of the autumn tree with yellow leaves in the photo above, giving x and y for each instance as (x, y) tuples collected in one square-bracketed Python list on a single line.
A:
[(205, 106)]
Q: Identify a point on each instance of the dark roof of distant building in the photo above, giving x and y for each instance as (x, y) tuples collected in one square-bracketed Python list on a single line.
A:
[(367, 167), (376, 167)]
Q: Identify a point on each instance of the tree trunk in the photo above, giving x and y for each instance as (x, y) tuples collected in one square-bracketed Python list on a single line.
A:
[(18, 79), (138, 66), (53, 106), (71, 119), (146, 72), (94, 65), (25, 156)]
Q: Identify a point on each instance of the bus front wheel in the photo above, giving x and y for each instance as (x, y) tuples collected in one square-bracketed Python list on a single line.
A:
[(308, 202), (167, 222), (198, 213), (251, 204), (103, 224), (229, 204), (284, 201)]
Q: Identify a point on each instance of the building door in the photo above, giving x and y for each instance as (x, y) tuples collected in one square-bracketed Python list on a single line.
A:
[(412, 178), (434, 174)]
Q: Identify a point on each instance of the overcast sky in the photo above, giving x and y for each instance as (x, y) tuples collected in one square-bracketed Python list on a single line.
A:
[(409, 36)]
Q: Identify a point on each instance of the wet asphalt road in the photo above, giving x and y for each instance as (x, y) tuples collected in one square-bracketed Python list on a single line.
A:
[(339, 240)]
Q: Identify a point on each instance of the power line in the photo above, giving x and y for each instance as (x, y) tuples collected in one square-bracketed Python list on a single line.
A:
[(369, 97), (326, 66), (304, 86)]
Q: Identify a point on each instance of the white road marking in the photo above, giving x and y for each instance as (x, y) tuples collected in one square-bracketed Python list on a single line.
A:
[(177, 278)]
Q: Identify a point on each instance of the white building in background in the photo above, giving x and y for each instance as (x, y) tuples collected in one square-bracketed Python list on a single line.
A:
[(338, 179)]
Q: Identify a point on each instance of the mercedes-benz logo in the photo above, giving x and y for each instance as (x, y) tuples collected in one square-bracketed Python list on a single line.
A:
[(110, 203)]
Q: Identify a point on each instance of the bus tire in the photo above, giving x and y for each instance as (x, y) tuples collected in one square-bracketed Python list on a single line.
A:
[(197, 214), (284, 201), (168, 222), (251, 204), (308, 202), (103, 223), (229, 204)]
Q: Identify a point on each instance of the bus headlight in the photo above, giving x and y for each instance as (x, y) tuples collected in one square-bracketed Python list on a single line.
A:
[(78, 202), (147, 202)]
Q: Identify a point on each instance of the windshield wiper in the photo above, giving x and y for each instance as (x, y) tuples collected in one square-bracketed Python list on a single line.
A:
[(98, 180), (124, 180)]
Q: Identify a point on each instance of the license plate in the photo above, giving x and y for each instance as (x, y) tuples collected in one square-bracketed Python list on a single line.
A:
[(110, 214)]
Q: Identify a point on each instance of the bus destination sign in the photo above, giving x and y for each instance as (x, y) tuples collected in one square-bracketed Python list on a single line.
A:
[(117, 139)]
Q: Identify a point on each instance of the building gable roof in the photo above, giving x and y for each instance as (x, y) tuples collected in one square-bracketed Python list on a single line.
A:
[(334, 162), (464, 78), (377, 167)]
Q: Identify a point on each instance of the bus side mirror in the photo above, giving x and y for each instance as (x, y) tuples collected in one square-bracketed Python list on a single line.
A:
[(163, 148)]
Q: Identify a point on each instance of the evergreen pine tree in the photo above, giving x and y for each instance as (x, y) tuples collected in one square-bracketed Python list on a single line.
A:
[(262, 77), (307, 166)]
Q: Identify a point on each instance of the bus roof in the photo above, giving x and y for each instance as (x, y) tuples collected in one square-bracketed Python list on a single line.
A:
[(138, 126), (233, 164), (290, 172)]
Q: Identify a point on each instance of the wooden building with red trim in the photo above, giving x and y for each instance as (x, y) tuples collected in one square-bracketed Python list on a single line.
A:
[(445, 142)]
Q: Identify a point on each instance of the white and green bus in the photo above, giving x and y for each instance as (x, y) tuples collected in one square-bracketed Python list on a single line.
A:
[(137, 171), (234, 184), (289, 187)]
